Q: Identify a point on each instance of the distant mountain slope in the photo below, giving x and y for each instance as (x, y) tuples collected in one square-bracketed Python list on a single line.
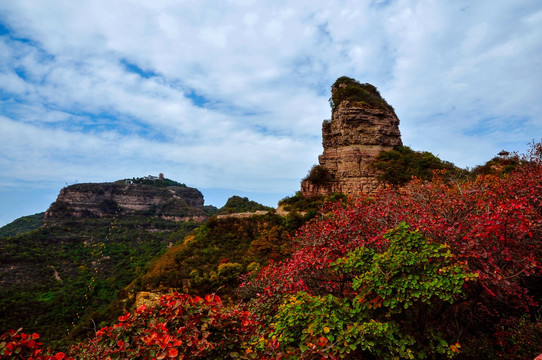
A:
[(22, 225)]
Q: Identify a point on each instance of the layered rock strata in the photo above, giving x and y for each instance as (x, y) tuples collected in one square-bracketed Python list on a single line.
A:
[(355, 135), (119, 198)]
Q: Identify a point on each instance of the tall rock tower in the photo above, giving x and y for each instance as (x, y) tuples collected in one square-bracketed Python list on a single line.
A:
[(362, 125)]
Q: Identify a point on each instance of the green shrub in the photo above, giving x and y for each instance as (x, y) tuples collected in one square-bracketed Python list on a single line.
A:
[(229, 271), (496, 166), (318, 175), (237, 204)]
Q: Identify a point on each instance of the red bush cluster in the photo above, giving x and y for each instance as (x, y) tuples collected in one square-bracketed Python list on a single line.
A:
[(492, 223), (18, 345), (180, 327)]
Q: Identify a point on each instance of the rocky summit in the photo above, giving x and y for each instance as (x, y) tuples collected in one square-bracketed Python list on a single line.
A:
[(362, 125), (150, 197)]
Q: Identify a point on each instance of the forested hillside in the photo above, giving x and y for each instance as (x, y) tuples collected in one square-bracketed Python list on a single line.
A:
[(55, 277), (22, 225)]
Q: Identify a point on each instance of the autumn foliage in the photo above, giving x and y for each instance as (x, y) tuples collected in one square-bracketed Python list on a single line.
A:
[(491, 224), (433, 270), (18, 345), (180, 327)]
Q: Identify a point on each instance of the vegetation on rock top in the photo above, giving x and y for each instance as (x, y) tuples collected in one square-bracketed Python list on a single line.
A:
[(348, 89), (159, 182), (318, 175)]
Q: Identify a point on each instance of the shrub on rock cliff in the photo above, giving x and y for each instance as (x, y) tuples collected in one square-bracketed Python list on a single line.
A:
[(318, 175)]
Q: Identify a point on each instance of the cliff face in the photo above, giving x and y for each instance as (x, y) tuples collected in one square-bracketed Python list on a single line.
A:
[(119, 198), (357, 133)]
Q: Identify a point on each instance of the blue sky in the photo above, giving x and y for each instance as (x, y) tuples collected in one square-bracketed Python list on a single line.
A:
[(229, 96)]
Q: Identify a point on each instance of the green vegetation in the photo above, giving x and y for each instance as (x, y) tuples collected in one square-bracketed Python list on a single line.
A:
[(63, 277), (348, 89), (398, 166), (160, 182), (382, 316), (318, 175), (215, 255), (237, 204), (499, 165), (22, 225), (309, 205), (210, 210)]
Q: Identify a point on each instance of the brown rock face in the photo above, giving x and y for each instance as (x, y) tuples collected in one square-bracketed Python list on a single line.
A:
[(356, 134), (108, 199)]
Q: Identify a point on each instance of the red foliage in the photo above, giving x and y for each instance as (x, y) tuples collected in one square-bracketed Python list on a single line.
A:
[(18, 345), (181, 327), (493, 224)]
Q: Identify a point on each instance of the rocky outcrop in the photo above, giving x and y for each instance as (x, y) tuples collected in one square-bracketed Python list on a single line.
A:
[(357, 132), (124, 198)]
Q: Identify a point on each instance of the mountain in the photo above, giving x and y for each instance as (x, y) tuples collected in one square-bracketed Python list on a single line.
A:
[(149, 196), (64, 272)]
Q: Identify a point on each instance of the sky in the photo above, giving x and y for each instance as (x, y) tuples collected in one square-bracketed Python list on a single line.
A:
[(229, 96)]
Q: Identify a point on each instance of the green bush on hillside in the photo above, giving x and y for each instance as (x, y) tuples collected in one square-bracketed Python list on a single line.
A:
[(237, 204), (382, 318), (499, 165)]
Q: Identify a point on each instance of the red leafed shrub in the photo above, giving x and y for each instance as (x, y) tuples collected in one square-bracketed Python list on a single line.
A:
[(492, 224), (180, 327), (495, 224), (18, 345)]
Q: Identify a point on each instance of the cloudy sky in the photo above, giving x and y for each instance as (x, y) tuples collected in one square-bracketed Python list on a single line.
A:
[(229, 96)]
